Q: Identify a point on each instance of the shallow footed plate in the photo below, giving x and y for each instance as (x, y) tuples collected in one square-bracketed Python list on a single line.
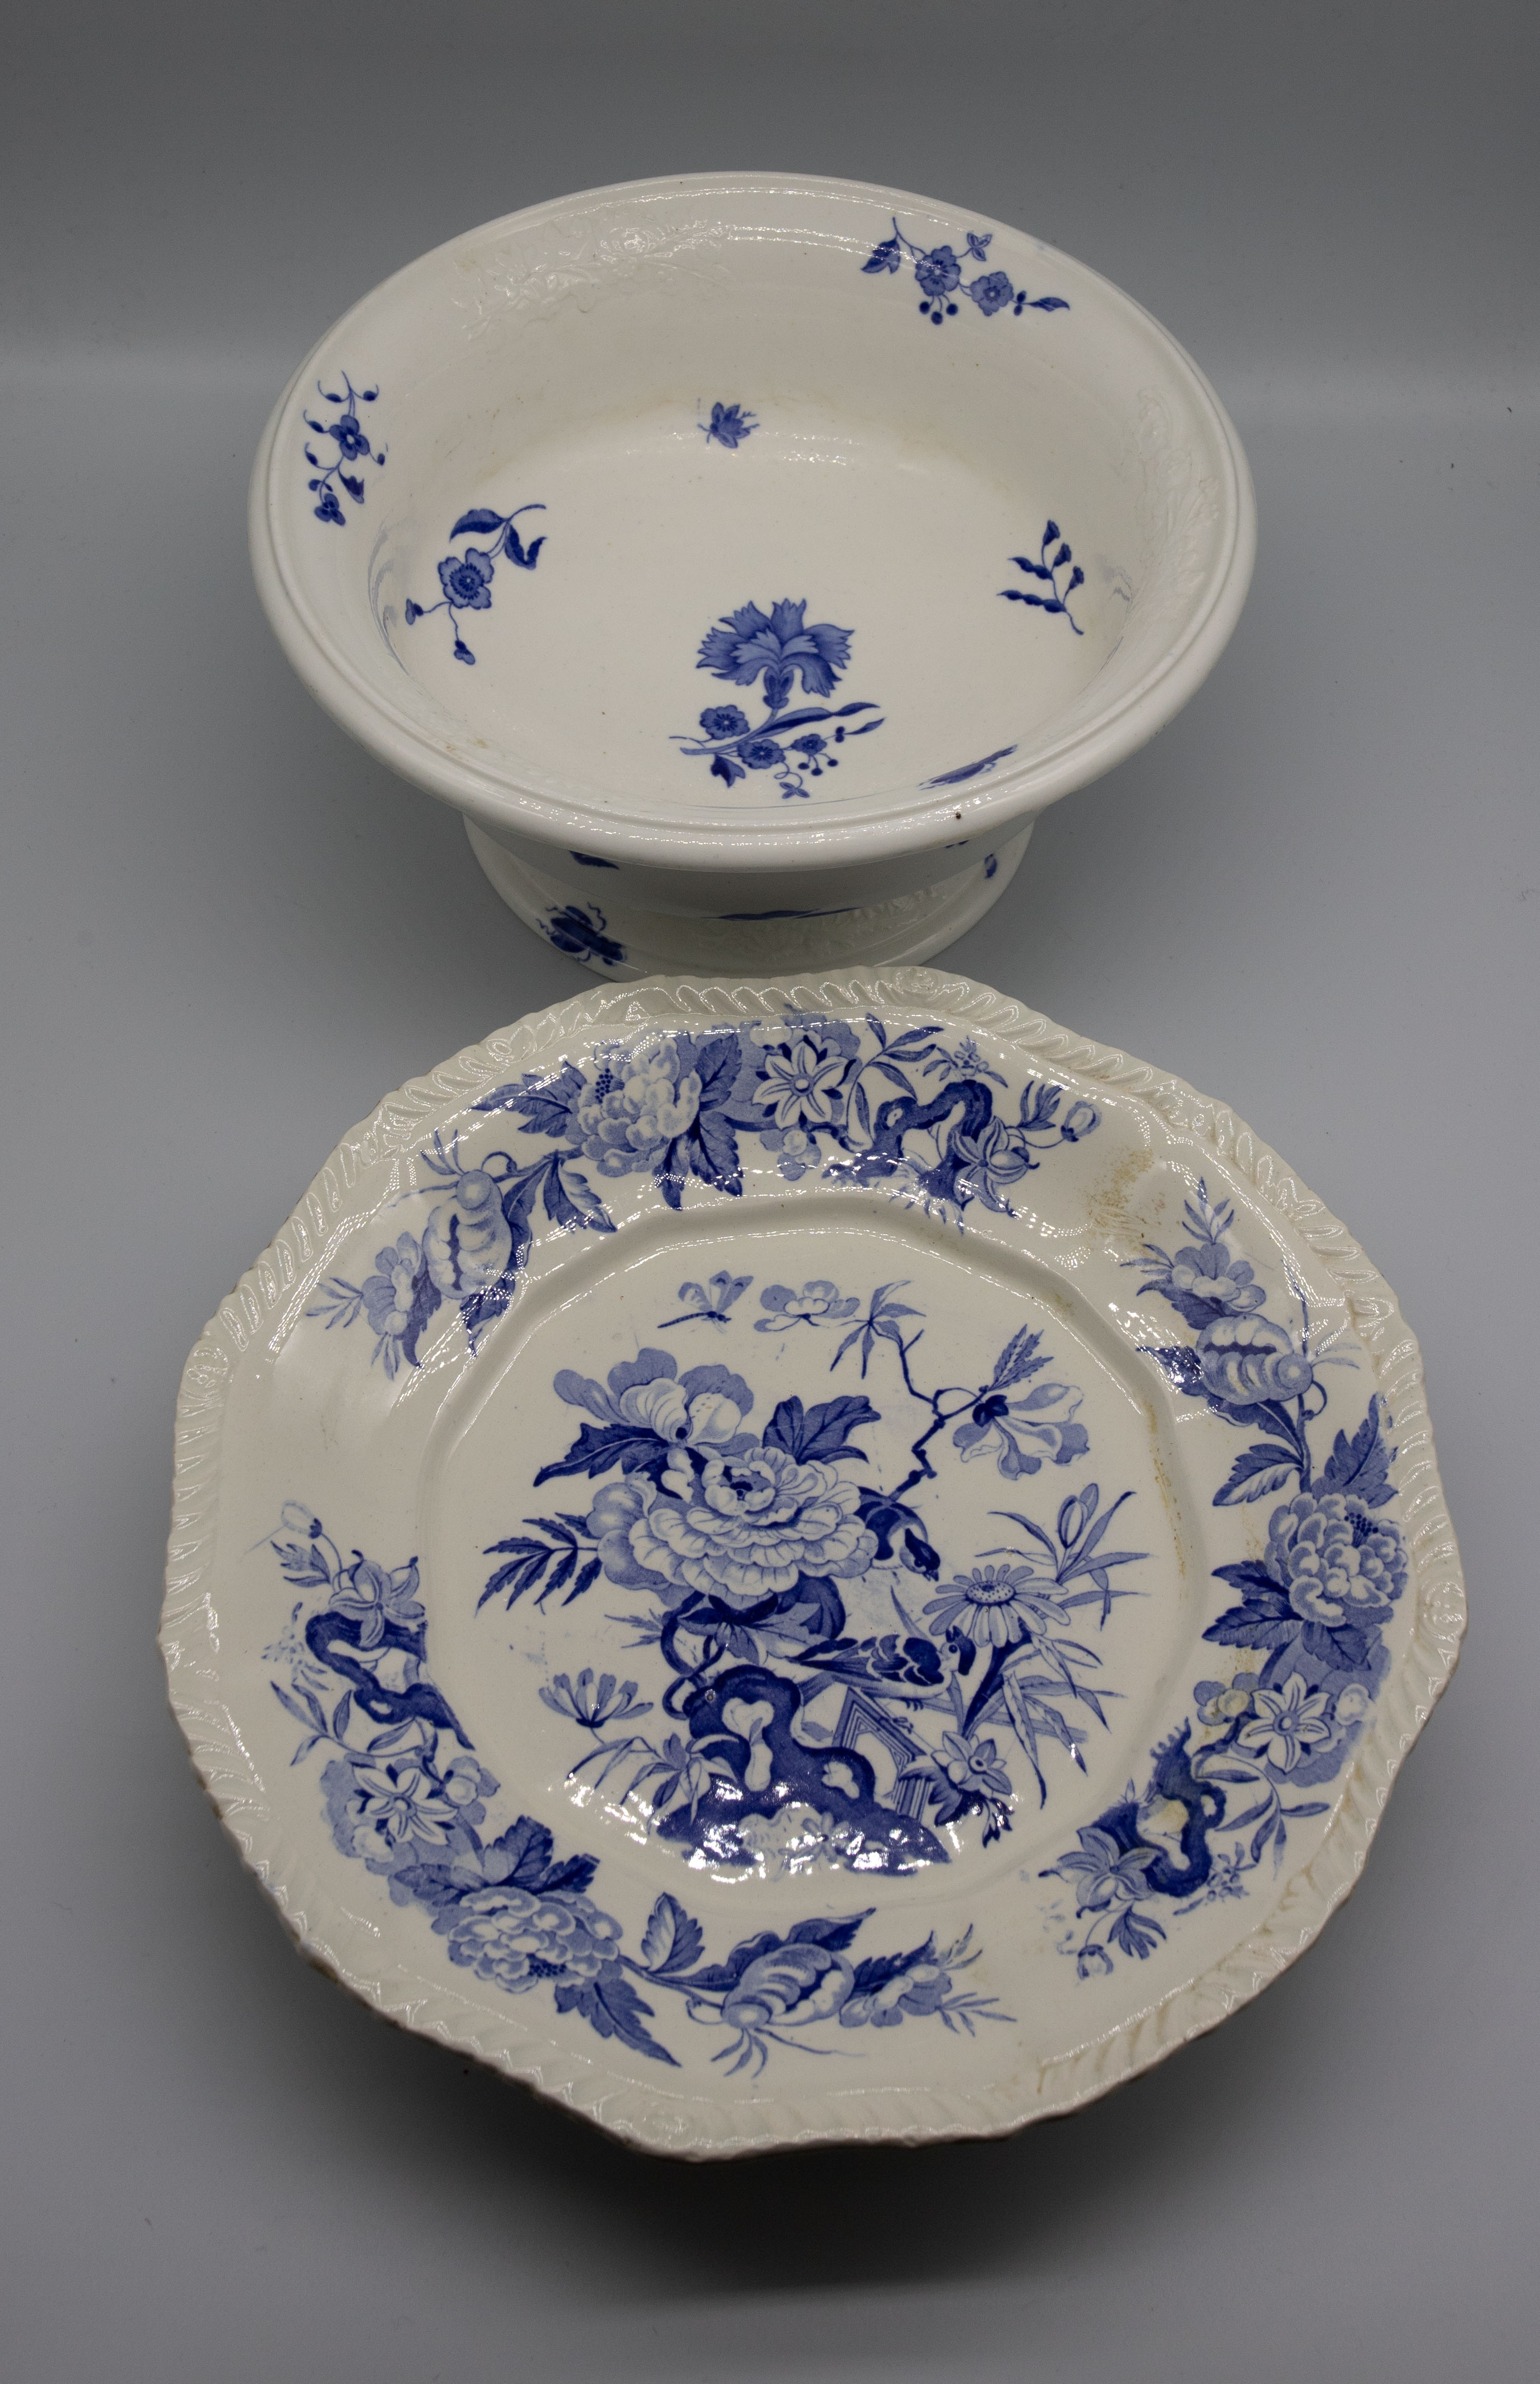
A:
[(788, 1563)]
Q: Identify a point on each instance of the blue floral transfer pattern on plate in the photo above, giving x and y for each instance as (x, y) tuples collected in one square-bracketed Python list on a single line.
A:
[(353, 444), (405, 1794), (1310, 1612), (815, 1092), (940, 273), (779, 647), (729, 426), (745, 1556), (466, 579)]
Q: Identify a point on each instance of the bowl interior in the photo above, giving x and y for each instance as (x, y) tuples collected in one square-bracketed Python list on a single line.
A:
[(715, 501)]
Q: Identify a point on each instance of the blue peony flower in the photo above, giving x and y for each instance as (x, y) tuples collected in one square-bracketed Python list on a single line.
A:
[(938, 272), (780, 644), (991, 292), (466, 579), (762, 753)]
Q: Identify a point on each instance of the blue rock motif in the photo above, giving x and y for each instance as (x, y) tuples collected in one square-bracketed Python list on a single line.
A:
[(404, 1793), (352, 442), (938, 272), (1311, 1613)]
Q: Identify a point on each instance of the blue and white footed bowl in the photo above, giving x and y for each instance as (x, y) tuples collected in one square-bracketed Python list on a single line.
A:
[(750, 558)]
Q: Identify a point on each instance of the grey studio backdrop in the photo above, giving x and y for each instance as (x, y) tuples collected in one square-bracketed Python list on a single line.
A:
[(228, 932)]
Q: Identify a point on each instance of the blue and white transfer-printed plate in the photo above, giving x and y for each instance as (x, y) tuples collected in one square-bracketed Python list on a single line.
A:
[(795, 1563)]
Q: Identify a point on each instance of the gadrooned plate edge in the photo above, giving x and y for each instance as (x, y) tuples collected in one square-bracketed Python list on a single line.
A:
[(693, 2127)]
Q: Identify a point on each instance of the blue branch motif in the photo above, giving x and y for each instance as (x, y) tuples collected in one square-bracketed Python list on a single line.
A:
[(466, 579), (938, 272), (814, 1092), (350, 438), (729, 426), (779, 647), (1308, 1615), (1047, 568), (404, 1793), (740, 1553)]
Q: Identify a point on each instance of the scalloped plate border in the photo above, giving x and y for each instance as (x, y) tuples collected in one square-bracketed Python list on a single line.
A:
[(691, 2126)]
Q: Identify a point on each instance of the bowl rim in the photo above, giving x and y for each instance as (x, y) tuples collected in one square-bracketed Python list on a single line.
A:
[(647, 832)]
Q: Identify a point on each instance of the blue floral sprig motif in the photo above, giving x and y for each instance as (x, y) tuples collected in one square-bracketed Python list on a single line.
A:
[(466, 579), (405, 1794), (812, 1091), (779, 645), (938, 272), (351, 442), (740, 1553), (1309, 1613), (1047, 568), (729, 426)]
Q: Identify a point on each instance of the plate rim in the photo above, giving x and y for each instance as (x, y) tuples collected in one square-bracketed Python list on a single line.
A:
[(650, 2118)]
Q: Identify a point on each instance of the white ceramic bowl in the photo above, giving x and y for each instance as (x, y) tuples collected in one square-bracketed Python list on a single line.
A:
[(750, 558)]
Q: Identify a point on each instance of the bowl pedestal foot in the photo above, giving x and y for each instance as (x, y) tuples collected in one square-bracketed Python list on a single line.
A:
[(618, 942)]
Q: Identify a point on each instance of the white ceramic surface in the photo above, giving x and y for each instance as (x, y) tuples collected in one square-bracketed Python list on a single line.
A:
[(804, 1562), (749, 548)]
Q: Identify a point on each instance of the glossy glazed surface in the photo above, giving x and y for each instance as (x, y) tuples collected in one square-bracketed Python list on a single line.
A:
[(806, 1561), (769, 540)]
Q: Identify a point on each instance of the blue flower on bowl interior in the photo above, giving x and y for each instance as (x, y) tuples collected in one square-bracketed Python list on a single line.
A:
[(725, 720), (993, 1161), (991, 292), (372, 1598), (466, 579), (974, 1764), (729, 426), (353, 445), (1288, 1723), (778, 644)]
